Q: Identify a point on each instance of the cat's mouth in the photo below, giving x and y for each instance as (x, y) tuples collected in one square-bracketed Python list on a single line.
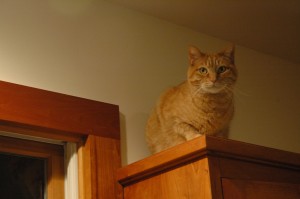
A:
[(210, 87)]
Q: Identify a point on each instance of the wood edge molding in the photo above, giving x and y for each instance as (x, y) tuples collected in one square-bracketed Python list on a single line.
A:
[(202, 147), (29, 148), (37, 108), (37, 131), (165, 160), (251, 152)]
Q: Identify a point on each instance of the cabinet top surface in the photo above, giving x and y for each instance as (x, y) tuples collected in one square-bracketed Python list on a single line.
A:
[(208, 146)]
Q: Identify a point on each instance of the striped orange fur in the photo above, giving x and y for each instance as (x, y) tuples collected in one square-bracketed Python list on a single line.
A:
[(203, 104)]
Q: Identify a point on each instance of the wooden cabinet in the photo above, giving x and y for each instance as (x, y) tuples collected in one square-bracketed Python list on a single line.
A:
[(213, 168)]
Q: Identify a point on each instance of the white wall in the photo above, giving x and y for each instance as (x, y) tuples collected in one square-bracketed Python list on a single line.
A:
[(267, 101), (100, 51)]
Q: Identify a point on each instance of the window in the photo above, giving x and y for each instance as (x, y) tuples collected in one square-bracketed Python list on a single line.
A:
[(40, 155)]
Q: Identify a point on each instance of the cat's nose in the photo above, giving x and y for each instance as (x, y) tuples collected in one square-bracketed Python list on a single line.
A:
[(213, 78)]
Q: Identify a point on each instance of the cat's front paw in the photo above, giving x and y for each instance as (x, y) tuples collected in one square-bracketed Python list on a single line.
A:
[(192, 135)]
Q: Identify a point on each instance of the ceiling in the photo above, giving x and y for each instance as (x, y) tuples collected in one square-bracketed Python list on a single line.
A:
[(268, 26)]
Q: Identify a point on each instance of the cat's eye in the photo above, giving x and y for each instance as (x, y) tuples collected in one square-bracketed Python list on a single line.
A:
[(221, 69), (202, 70)]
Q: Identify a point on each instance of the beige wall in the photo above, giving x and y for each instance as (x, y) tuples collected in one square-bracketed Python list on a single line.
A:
[(108, 53)]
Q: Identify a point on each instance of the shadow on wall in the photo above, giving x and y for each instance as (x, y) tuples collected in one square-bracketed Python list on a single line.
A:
[(123, 139)]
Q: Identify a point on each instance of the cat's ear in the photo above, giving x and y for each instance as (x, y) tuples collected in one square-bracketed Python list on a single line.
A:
[(229, 52), (194, 54)]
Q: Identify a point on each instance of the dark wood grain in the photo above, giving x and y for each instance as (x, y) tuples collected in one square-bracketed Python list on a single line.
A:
[(27, 108), (241, 189)]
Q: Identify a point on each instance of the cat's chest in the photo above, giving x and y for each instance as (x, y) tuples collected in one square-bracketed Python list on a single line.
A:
[(203, 113), (214, 106)]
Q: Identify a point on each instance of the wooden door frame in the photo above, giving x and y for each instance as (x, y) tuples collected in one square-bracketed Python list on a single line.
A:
[(93, 125)]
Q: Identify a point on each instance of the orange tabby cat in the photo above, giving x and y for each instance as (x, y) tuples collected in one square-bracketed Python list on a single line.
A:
[(203, 104)]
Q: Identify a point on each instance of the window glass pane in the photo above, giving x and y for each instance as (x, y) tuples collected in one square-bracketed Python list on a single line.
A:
[(21, 177)]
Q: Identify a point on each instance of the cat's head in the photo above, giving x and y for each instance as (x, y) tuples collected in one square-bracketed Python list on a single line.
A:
[(212, 73)]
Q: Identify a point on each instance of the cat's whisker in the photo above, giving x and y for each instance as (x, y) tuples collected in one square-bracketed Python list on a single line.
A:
[(239, 95), (229, 89), (239, 91)]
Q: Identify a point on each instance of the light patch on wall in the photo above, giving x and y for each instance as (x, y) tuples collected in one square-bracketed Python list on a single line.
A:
[(70, 7)]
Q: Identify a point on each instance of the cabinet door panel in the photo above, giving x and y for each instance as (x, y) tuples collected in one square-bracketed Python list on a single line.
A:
[(246, 189)]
